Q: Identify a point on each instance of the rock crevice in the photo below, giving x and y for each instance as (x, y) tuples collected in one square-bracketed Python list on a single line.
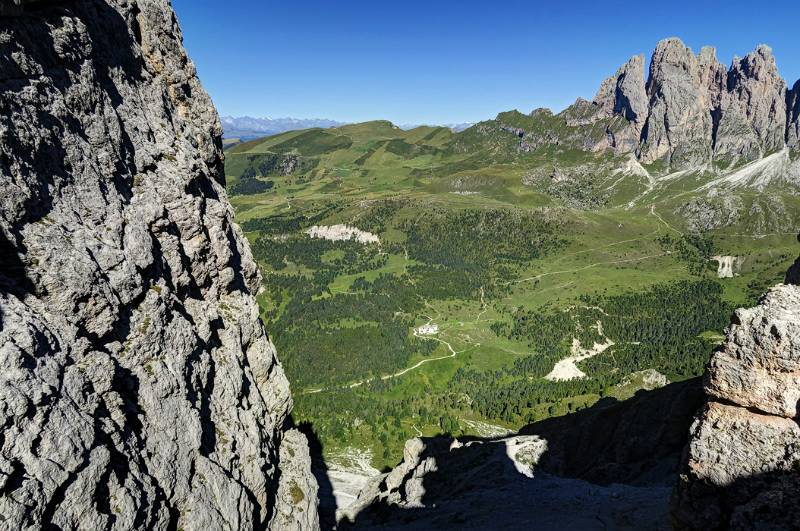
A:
[(139, 388)]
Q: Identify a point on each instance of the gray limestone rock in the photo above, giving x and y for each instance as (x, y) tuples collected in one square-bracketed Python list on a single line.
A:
[(793, 118), (297, 499), (713, 76), (624, 92), (759, 366), (694, 111), (139, 389), (741, 465), (752, 112), (740, 472), (678, 128)]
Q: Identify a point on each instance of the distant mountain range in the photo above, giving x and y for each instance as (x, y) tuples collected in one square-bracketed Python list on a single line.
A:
[(456, 127), (247, 128)]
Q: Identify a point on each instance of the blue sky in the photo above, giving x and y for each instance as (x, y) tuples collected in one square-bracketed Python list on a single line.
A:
[(450, 61)]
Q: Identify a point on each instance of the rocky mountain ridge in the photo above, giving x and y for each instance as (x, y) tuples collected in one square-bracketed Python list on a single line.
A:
[(139, 389), (688, 113), (692, 111)]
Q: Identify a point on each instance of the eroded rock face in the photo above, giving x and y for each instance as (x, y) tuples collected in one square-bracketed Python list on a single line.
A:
[(624, 92), (793, 120), (139, 389), (760, 365), (693, 111), (742, 461), (678, 128), (753, 110), (713, 76)]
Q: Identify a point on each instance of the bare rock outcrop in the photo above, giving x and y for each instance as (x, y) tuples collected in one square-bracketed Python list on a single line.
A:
[(741, 465), (139, 389), (693, 111), (753, 109), (793, 120), (713, 76), (678, 128), (624, 92), (759, 367)]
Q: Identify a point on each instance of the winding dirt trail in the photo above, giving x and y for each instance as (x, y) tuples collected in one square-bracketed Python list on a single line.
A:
[(453, 354), (657, 215), (590, 266)]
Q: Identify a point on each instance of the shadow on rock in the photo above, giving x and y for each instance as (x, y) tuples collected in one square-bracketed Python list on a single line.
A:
[(763, 501), (611, 466), (327, 501), (637, 441)]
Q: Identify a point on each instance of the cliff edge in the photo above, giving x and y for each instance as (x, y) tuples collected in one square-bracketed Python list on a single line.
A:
[(139, 389)]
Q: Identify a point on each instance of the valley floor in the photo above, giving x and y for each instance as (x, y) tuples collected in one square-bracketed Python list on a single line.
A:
[(413, 289)]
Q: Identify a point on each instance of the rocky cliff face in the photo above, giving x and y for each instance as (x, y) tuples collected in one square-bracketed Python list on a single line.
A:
[(139, 389), (692, 111), (793, 125), (752, 110), (624, 92), (741, 465), (678, 125)]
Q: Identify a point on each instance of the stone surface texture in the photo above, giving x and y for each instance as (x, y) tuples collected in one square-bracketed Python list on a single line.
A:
[(741, 465), (679, 125), (793, 119), (624, 92), (139, 389), (752, 111)]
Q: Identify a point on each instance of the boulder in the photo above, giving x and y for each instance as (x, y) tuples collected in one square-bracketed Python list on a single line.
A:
[(740, 469)]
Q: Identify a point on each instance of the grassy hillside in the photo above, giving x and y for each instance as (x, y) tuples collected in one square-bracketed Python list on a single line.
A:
[(523, 252)]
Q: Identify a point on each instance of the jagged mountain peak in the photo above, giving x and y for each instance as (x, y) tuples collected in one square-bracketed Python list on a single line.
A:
[(624, 92), (709, 52), (695, 113), (759, 64)]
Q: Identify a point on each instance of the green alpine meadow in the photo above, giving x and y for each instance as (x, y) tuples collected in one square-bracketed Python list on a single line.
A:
[(472, 283)]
